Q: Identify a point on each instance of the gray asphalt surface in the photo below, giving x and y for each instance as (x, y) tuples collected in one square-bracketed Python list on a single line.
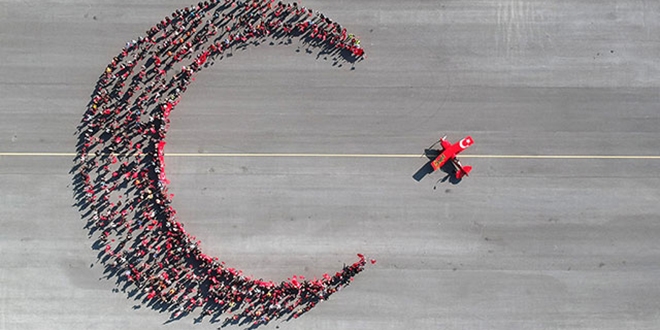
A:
[(520, 244)]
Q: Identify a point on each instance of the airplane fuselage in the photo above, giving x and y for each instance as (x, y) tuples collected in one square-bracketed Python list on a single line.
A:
[(449, 151)]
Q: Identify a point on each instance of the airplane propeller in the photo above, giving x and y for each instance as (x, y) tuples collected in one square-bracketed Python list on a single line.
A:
[(433, 145)]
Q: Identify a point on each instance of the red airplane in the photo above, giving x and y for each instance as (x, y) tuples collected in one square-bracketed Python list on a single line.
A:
[(449, 152)]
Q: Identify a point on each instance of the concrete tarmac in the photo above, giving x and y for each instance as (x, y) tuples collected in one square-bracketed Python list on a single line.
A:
[(523, 243)]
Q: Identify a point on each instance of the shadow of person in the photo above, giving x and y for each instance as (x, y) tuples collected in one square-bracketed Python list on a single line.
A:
[(449, 177)]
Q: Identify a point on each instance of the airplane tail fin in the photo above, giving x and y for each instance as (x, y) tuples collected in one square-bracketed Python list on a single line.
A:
[(465, 170)]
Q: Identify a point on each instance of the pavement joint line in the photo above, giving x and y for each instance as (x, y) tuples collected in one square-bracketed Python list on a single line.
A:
[(329, 155)]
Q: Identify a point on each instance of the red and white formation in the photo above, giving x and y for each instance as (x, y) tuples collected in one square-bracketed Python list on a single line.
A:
[(121, 182)]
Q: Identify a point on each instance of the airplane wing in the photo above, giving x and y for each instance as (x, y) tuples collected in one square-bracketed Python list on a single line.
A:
[(449, 153), (464, 143), (442, 158)]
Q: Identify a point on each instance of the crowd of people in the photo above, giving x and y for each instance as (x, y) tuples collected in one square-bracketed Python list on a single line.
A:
[(120, 181)]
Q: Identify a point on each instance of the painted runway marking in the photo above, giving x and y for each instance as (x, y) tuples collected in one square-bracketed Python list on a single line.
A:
[(319, 155)]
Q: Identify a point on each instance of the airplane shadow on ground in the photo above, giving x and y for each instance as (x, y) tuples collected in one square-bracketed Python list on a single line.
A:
[(448, 169)]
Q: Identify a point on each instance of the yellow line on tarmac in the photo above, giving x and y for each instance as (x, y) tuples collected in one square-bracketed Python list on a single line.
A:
[(562, 156), (319, 155), (311, 155), (37, 154), (294, 155)]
